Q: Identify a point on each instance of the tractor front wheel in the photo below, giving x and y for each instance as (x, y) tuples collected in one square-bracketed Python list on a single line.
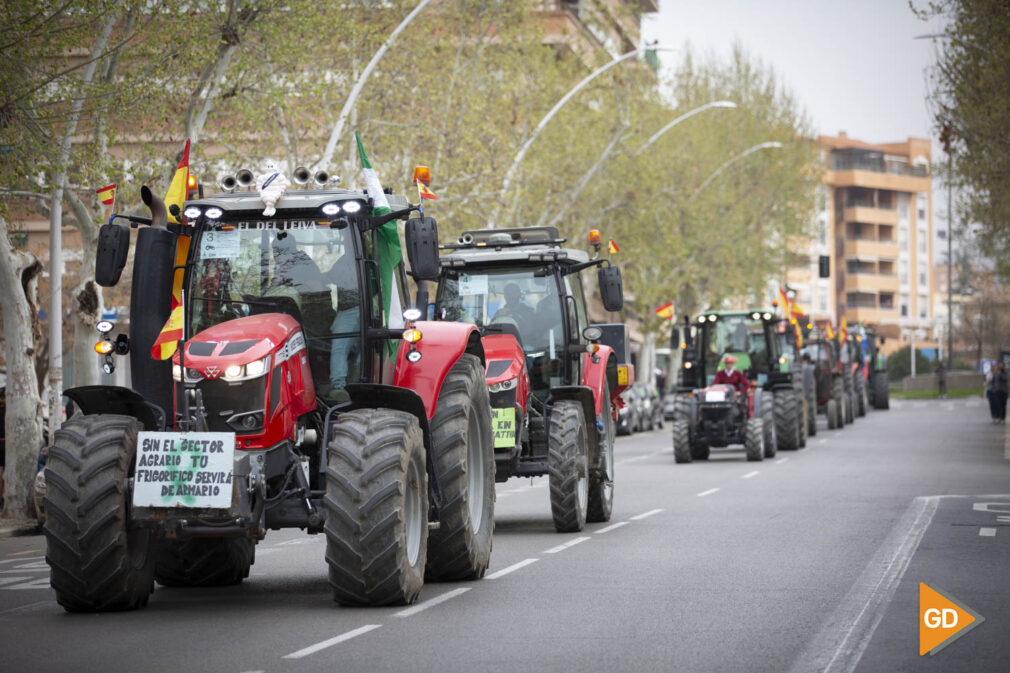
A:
[(99, 562), (376, 508), (601, 477), (568, 466), (787, 419), (682, 442), (460, 549), (834, 423), (204, 562), (754, 439)]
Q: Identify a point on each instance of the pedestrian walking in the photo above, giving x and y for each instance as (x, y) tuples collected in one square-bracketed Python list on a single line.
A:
[(941, 381), (1000, 388)]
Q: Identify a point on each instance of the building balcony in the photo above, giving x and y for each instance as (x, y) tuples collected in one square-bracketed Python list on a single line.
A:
[(871, 316), (875, 180), (870, 282), (868, 248), (871, 215)]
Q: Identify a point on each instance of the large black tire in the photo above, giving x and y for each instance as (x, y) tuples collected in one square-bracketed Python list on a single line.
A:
[(768, 422), (838, 394), (601, 476), (568, 466), (802, 420), (811, 410), (204, 562), (376, 508), (834, 423), (754, 439), (788, 419), (682, 452), (860, 395), (850, 407), (682, 408), (881, 391), (463, 453), (99, 562)]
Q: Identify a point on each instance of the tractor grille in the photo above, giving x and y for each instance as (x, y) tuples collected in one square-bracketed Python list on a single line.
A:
[(223, 400)]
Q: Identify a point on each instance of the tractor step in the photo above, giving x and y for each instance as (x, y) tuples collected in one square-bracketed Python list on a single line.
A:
[(434, 525)]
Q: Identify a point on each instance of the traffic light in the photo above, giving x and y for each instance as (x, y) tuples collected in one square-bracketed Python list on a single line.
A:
[(824, 266)]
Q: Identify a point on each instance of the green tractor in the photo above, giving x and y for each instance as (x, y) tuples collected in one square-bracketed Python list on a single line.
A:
[(873, 369)]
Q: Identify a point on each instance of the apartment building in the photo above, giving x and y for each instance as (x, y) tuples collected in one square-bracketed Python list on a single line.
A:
[(875, 227)]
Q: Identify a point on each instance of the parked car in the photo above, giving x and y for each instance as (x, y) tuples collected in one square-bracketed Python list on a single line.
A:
[(651, 407), (629, 417)]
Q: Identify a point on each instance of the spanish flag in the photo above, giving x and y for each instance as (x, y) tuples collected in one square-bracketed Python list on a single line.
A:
[(179, 189), (843, 329), (784, 298), (829, 331), (107, 194), (425, 193), (613, 247), (168, 339), (665, 311), (799, 334)]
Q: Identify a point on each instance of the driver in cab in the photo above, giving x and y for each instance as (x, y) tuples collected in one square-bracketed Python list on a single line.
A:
[(731, 376), (514, 306)]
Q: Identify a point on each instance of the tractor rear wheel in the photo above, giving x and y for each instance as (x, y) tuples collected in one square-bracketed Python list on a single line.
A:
[(881, 392), (754, 439), (768, 421), (838, 394), (811, 411), (463, 454), (376, 508), (833, 414), (682, 452), (204, 562), (860, 396), (568, 466), (99, 562), (787, 419), (802, 419), (601, 477)]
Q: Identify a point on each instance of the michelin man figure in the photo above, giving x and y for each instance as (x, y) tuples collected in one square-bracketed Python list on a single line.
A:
[(271, 185)]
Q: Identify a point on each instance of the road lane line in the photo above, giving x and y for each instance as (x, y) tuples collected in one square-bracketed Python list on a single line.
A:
[(611, 527), (645, 515), (822, 441), (708, 492), (22, 553), (431, 602), (23, 560), (780, 461), (841, 642), (987, 532), (751, 474), (25, 608), (562, 547), (336, 640), (511, 568)]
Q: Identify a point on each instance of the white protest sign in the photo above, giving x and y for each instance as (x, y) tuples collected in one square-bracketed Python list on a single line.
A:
[(220, 244), (472, 284), (184, 469)]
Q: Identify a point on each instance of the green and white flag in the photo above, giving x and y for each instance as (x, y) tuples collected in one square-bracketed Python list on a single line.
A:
[(388, 249)]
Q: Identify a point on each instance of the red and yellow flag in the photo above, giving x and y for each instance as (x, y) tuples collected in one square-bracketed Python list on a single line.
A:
[(799, 334), (425, 193), (784, 298), (179, 189), (665, 311), (168, 339), (843, 329), (107, 194), (613, 247), (829, 331)]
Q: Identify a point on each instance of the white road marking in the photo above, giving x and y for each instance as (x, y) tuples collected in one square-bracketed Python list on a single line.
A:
[(611, 527), (26, 608), (822, 441), (632, 460), (510, 569), (949, 406), (336, 640), (562, 547), (645, 515), (708, 492), (780, 461), (840, 644), (14, 580), (420, 607), (987, 532), (23, 560), (37, 583), (751, 474)]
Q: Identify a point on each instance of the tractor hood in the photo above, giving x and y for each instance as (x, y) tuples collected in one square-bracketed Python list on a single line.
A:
[(237, 342), (505, 358)]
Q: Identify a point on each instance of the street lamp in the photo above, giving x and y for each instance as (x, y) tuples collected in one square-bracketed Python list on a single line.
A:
[(507, 182), (745, 153), (726, 104)]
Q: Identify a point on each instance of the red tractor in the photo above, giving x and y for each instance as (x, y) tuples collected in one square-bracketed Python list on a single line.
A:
[(301, 396), (554, 380)]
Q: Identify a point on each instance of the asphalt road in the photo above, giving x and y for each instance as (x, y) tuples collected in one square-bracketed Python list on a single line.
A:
[(810, 561)]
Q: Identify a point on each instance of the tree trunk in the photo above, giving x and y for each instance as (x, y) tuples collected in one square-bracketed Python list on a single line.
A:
[(86, 303), (19, 272)]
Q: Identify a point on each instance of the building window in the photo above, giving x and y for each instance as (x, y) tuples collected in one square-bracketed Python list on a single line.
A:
[(922, 279), (822, 302), (920, 208), (904, 306), (903, 271), (923, 241), (887, 301), (923, 306)]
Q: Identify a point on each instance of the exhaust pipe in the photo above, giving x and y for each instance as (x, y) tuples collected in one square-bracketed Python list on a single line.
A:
[(322, 177), (245, 178), (159, 216), (228, 183), (466, 239), (301, 176)]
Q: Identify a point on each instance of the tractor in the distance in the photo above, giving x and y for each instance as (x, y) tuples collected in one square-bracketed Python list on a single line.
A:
[(873, 368), (554, 378), (301, 395), (766, 417), (788, 336), (831, 398)]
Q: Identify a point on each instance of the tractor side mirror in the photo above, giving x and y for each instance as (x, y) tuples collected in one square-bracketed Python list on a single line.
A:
[(421, 236), (611, 288), (675, 339), (113, 245)]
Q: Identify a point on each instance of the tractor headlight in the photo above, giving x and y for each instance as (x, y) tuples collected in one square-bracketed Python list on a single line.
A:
[(177, 372), (508, 384), (214, 213), (255, 368), (246, 371), (688, 365), (331, 208), (233, 372), (412, 335), (352, 206), (191, 213)]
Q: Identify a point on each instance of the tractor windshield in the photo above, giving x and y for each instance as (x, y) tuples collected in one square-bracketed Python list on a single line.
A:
[(740, 336), (523, 302), (294, 267)]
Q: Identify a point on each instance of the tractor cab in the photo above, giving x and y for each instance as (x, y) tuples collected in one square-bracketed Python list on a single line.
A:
[(746, 335)]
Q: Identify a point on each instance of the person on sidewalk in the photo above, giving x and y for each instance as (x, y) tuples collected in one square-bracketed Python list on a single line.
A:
[(999, 393), (941, 381)]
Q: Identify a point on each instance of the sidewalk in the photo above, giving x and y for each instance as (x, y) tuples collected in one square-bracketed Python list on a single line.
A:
[(10, 528)]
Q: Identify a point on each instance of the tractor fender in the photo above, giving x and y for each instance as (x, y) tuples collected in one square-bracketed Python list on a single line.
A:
[(596, 368), (585, 396), (440, 346), (120, 401), (379, 395)]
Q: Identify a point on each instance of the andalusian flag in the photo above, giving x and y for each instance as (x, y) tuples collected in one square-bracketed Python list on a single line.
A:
[(665, 311), (179, 189), (389, 253), (107, 194), (168, 339), (613, 247)]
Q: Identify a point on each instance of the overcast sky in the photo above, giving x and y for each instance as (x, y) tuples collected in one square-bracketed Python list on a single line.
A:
[(852, 64)]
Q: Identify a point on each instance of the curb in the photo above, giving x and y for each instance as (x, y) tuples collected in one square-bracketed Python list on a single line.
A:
[(20, 528)]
